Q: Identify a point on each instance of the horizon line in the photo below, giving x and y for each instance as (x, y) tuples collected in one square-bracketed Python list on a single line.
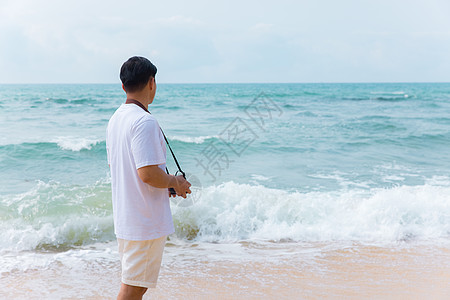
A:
[(193, 83)]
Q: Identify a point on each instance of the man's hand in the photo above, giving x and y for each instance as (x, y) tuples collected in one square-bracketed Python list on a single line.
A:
[(181, 186), (155, 176)]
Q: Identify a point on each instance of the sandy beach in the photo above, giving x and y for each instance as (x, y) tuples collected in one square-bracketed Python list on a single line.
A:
[(251, 271)]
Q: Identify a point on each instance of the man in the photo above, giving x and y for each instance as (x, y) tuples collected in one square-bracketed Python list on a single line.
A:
[(137, 157)]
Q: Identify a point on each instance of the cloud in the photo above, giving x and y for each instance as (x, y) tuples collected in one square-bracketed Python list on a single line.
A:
[(264, 41)]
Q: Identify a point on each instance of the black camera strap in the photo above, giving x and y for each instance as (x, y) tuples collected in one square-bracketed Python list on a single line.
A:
[(132, 101)]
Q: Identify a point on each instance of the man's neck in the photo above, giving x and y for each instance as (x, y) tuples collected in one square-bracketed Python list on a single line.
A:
[(132, 101), (140, 99)]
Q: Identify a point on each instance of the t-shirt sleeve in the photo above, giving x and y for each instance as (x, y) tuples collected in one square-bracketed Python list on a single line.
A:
[(146, 144)]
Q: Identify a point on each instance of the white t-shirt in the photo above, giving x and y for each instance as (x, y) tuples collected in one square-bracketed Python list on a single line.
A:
[(134, 140)]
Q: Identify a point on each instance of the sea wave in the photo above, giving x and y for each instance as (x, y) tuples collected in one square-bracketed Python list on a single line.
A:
[(75, 143), (389, 93), (71, 101), (194, 140), (62, 143), (391, 98), (54, 216), (381, 96), (232, 212)]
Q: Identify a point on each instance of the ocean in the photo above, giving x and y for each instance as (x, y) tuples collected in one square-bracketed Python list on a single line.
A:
[(280, 172)]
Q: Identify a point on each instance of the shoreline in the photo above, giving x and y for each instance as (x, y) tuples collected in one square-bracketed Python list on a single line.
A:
[(250, 271)]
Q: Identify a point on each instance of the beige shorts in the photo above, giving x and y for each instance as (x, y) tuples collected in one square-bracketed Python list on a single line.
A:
[(141, 261)]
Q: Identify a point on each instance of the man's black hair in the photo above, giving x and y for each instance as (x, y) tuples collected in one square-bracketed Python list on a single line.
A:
[(136, 72)]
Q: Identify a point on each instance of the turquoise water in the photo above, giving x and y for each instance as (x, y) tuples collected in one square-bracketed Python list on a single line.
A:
[(311, 162)]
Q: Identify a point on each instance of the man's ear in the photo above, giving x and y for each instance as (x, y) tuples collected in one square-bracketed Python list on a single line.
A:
[(123, 88), (152, 83)]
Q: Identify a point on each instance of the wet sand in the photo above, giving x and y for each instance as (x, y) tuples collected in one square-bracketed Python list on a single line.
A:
[(357, 272), (254, 271)]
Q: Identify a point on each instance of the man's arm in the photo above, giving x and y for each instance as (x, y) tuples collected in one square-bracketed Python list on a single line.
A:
[(156, 177)]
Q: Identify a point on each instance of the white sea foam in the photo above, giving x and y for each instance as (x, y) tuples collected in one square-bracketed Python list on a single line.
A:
[(195, 140), (75, 143), (232, 211), (260, 177), (53, 215), (256, 178), (55, 233), (101, 254)]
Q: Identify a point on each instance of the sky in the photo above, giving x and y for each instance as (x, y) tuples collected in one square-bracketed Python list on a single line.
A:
[(78, 41)]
